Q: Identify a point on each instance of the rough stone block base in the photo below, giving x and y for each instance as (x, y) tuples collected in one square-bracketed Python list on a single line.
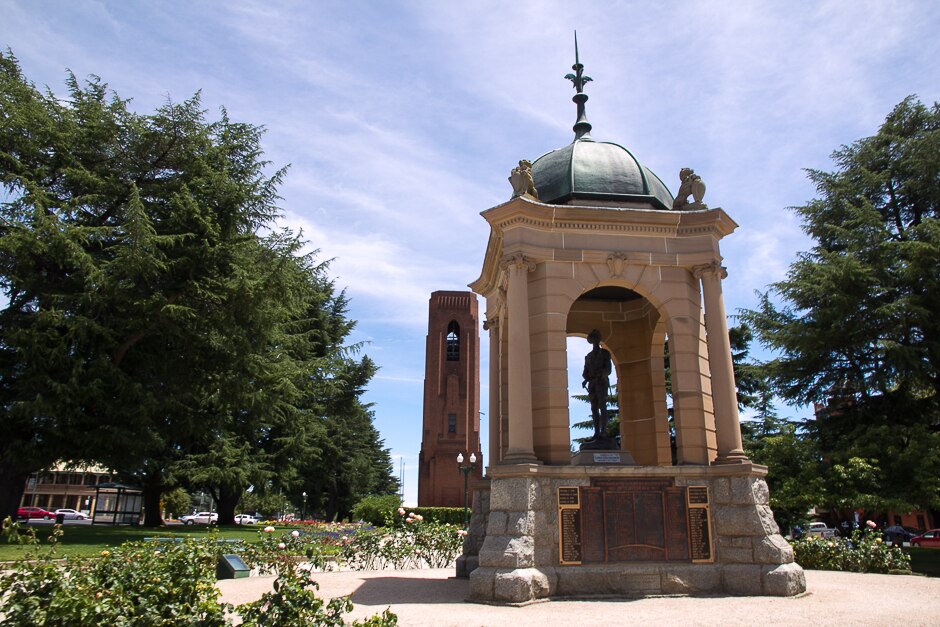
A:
[(518, 586), (512, 553)]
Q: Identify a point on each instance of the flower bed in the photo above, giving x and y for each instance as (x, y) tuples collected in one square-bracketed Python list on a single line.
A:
[(407, 541), (865, 552), (159, 583)]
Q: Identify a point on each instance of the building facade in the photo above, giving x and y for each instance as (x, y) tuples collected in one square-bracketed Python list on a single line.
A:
[(65, 487), (451, 424)]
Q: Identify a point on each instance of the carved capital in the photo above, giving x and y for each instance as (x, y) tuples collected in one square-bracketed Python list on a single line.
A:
[(491, 324), (616, 263), (710, 269), (518, 261)]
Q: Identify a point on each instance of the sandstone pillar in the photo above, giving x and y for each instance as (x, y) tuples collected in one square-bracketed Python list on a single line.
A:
[(724, 395), (495, 417), (520, 441)]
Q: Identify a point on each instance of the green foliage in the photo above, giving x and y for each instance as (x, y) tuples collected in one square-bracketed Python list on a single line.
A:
[(149, 583), (177, 502), (376, 509), (13, 533), (793, 463), (854, 323), (165, 585), (865, 552), (442, 515), (407, 543), (269, 502), (156, 320)]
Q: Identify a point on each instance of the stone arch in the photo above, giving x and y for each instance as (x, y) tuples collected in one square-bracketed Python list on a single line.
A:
[(632, 329)]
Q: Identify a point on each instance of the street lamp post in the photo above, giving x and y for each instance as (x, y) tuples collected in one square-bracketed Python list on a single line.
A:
[(466, 470), (303, 510)]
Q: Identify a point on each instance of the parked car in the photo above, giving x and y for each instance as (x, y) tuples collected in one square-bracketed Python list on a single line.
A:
[(897, 533), (928, 538), (820, 529), (245, 519), (71, 514), (34, 512), (201, 518)]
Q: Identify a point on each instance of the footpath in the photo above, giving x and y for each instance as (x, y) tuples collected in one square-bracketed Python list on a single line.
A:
[(434, 597)]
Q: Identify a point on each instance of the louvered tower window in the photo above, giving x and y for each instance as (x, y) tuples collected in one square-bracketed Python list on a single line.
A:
[(453, 341)]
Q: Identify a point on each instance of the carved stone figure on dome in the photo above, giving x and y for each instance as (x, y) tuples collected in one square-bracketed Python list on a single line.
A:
[(691, 184), (521, 180)]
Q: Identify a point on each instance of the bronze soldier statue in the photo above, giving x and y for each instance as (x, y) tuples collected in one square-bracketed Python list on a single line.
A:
[(596, 375)]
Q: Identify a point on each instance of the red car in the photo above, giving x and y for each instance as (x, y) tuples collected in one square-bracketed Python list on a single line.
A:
[(34, 512), (928, 538)]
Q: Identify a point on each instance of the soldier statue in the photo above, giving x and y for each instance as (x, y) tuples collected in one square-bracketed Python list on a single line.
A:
[(597, 368)]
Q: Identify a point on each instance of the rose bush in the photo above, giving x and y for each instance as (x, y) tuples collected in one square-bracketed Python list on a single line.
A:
[(865, 552), (162, 583)]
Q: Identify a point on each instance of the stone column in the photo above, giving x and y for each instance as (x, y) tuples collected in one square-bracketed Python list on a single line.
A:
[(520, 439), (495, 417), (724, 394)]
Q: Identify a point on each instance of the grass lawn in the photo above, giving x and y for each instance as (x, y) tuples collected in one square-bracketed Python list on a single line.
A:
[(88, 540), (925, 561)]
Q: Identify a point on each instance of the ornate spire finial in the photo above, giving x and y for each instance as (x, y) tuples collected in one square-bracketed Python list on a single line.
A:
[(582, 128)]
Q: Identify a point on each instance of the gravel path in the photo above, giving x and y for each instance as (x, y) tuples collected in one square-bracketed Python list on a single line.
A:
[(435, 597)]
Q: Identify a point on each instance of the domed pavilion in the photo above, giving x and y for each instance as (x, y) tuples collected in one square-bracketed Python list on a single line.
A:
[(592, 240)]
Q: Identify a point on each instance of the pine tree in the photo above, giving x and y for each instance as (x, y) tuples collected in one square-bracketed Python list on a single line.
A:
[(855, 324), (156, 321)]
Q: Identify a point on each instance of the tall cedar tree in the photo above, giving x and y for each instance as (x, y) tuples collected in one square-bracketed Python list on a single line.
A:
[(855, 323), (148, 326)]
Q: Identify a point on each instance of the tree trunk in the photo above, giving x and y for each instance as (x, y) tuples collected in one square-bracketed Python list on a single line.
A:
[(12, 485), (152, 514), (227, 502)]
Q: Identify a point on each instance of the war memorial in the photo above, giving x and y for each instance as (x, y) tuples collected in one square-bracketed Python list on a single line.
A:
[(592, 244)]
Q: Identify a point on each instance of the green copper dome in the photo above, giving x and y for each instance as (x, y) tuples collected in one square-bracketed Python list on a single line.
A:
[(587, 170), (590, 170)]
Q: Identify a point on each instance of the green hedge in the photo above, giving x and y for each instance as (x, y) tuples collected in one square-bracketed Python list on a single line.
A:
[(443, 515), (377, 509)]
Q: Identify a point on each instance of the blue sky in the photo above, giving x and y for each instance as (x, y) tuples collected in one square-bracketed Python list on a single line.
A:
[(401, 120)]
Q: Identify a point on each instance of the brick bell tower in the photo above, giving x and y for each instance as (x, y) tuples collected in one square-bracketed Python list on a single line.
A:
[(451, 399)]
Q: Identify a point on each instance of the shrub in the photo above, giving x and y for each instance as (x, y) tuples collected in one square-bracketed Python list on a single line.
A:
[(293, 600), (176, 502), (406, 541), (442, 515), (375, 509), (138, 583), (865, 552), (151, 583)]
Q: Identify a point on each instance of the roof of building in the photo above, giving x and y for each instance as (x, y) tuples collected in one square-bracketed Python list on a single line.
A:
[(589, 170)]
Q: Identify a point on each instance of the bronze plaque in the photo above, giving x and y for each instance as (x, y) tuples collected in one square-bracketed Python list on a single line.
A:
[(568, 496), (698, 495), (628, 520), (699, 536), (677, 526), (593, 542), (632, 485), (569, 522)]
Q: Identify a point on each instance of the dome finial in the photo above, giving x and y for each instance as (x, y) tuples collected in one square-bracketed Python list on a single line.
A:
[(582, 128)]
